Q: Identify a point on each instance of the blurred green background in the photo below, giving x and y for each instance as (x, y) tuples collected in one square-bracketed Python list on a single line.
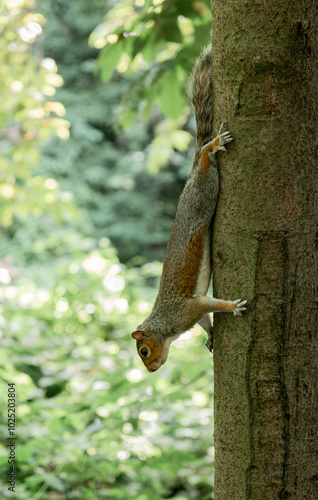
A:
[(96, 141)]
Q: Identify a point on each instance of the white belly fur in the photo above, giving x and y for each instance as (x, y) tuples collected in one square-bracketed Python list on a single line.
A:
[(204, 276)]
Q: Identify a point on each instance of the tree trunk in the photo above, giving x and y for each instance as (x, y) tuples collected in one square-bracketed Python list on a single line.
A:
[(265, 249)]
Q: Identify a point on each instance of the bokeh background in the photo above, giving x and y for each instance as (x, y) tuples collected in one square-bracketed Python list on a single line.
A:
[(96, 140)]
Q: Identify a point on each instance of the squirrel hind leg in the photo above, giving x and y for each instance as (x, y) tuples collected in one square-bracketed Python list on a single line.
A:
[(237, 307)]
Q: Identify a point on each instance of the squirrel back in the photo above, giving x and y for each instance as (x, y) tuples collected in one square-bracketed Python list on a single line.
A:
[(200, 95)]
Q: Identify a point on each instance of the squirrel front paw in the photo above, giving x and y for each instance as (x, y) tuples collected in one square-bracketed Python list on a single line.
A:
[(209, 340), (239, 307)]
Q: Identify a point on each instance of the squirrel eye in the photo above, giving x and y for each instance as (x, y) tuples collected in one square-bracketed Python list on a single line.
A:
[(144, 352)]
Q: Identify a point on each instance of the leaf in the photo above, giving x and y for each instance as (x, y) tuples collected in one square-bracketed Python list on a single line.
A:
[(180, 139), (168, 29), (152, 46), (159, 155), (54, 482), (127, 117), (108, 60), (171, 97), (203, 34)]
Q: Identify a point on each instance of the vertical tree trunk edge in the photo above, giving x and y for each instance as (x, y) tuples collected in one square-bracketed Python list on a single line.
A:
[(265, 249)]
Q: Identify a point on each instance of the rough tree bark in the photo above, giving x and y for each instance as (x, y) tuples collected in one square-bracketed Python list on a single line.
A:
[(265, 248)]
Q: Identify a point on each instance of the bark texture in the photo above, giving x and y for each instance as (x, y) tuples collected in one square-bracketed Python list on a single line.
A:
[(265, 249)]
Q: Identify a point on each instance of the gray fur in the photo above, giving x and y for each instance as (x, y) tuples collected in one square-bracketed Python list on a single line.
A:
[(182, 301), (200, 95)]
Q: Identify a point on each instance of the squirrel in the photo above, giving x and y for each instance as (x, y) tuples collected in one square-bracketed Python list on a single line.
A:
[(181, 301)]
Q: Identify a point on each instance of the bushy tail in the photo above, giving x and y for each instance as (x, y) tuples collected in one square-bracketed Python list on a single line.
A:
[(200, 94)]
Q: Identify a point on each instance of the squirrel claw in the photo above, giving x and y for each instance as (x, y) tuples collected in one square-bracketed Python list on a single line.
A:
[(225, 136), (239, 309), (218, 143), (220, 130)]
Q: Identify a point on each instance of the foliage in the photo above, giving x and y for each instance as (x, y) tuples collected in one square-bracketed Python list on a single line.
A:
[(156, 41), (91, 423), (27, 117), (105, 168)]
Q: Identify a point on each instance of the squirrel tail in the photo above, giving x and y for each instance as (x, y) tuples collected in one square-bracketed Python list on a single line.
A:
[(200, 94)]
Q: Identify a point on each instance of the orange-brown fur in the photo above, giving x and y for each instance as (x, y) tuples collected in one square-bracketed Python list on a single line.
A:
[(191, 265), (209, 149), (185, 268), (154, 344), (226, 306)]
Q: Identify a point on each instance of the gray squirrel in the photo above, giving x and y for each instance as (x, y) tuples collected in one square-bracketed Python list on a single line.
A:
[(186, 274)]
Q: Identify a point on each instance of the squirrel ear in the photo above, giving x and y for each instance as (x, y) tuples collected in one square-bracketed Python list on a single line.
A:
[(138, 335)]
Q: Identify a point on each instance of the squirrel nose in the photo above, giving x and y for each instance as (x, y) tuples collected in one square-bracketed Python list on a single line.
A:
[(151, 370), (154, 366)]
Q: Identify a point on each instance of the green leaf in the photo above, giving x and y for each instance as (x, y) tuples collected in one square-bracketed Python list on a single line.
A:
[(108, 60), (152, 46), (203, 34), (168, 29), (127, 117), (55, 483), (171, 97), (180, 139)]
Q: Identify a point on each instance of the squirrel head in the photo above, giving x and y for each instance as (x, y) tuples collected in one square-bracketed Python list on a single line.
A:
[(151, 349)]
